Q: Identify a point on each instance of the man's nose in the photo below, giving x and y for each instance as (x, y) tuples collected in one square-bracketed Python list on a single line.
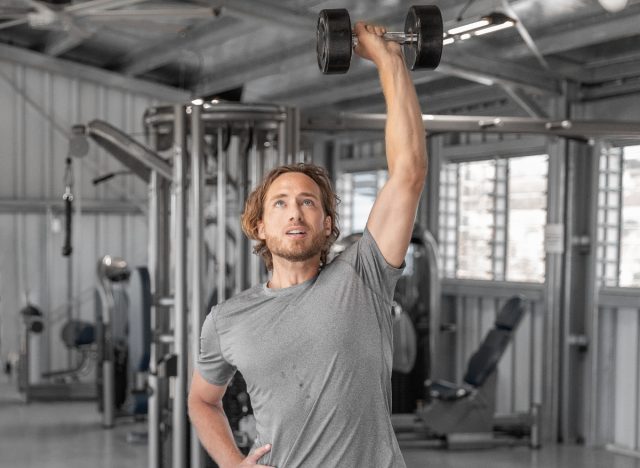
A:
[(295, 212)]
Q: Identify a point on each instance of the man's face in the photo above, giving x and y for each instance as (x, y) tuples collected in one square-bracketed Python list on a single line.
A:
[(294, 224)]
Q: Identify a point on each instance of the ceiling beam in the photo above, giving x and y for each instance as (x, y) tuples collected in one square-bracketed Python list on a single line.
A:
[(216, 32), (93, 74), (145, 59), (58, 44), (363, 80), (526, 102), (271, 12), (473, 68), (247, 68), (624, 24), (490, 71)]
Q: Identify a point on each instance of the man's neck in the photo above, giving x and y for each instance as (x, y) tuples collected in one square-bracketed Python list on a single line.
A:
[(287, 273)]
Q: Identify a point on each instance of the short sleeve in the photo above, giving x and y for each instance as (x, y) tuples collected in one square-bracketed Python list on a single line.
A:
[(372, 267), (211, 363)]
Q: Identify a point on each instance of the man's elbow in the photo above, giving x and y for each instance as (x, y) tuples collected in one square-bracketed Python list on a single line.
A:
[(415, 180)]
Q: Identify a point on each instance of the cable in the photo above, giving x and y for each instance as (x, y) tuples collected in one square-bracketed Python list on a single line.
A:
[(468, 4)]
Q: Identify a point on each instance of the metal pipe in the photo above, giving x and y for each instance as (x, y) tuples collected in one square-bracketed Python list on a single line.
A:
[(197, 252), (153, 412), (435, 322), (566, 302), (105, 292), (242, 243), (282, 143), (293, 122), (254, 171), (581, 129), (134, 155), (552, 294), (221, 254), (179, 455), (592, 308)]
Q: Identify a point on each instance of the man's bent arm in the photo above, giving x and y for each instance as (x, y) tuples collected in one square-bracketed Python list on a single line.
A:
[(393, 214), (211, 423)]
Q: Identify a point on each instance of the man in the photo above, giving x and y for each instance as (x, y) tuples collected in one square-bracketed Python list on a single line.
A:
[(314, 344)]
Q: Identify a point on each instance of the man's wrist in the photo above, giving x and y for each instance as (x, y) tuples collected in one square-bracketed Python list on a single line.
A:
[(390, 62)]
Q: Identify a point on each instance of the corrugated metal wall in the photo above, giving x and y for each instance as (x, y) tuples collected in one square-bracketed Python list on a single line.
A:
[(36, 114), (619, 377)]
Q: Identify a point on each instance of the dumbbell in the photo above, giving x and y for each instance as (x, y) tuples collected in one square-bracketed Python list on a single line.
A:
[(421, 40)]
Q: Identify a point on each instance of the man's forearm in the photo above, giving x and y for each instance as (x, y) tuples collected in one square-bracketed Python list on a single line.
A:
[(404, 132), (215, 433)]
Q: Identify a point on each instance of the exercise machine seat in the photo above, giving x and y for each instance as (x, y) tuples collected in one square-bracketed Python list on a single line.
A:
[(485, 360), (470, 407), (76, 333)]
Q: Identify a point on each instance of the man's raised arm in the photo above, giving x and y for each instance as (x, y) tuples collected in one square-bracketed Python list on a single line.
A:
[(393, 214)]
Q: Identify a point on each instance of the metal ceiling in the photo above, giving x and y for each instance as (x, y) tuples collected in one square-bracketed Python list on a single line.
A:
[(267, 48)]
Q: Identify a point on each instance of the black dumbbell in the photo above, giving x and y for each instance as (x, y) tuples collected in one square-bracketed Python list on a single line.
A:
[(421, 39)]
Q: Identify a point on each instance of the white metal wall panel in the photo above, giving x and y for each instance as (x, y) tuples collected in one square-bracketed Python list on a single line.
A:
[(37, 112), (606, 376), (626, 379)]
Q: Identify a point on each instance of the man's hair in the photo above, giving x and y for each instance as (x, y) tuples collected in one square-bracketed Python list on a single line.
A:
[(254, 207)]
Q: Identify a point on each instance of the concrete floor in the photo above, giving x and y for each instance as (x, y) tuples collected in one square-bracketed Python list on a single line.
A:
[(69, 435)]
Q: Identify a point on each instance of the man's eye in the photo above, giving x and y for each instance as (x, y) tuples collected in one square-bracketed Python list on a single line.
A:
[(308, 202), (279, 203)]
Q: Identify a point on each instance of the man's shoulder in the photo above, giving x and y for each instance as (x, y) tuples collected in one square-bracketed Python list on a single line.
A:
[(240, 301)]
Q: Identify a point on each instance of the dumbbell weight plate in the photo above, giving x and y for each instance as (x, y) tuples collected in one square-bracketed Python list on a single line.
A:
[(426, 22), (333, 41)]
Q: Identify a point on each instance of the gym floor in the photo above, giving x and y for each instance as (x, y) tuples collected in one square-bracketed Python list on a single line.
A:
[(69, 435)]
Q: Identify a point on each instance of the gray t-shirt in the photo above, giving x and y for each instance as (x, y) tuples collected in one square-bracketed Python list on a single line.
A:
[(317, 361)]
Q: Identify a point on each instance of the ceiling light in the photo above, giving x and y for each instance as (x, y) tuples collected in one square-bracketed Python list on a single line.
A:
[(487, 24), (469, 27), (197, 102), (448, 40), (497, 27), (613, 6)]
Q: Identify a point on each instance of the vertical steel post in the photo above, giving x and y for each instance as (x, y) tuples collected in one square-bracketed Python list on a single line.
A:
[(283, 144), (197, 252), (254, 171), (592, 309), (242, 243), (179, 414), (552, 297), (153, 412), (221, 253), (159, 268), (293, 135), (566, 300)]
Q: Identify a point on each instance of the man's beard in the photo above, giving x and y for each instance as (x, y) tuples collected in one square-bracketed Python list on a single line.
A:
[(296, 251)]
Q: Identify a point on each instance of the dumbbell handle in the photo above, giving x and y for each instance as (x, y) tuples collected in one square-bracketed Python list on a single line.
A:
[(399, 37)]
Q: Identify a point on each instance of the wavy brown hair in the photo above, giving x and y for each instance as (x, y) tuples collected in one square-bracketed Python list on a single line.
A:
[(254, 208)]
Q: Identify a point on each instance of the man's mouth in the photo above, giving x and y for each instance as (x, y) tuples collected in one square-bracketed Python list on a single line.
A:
[(296, 233)]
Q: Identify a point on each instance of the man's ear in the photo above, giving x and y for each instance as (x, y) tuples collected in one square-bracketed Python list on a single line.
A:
[(327, 225), (261, 235)]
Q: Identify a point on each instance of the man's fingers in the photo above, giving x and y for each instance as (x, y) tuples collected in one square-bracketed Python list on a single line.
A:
[(259, 452), (370, 28)]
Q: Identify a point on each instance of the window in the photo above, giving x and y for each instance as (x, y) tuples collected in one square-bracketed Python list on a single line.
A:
[(619, 217), (358, 192), (492, 218)]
